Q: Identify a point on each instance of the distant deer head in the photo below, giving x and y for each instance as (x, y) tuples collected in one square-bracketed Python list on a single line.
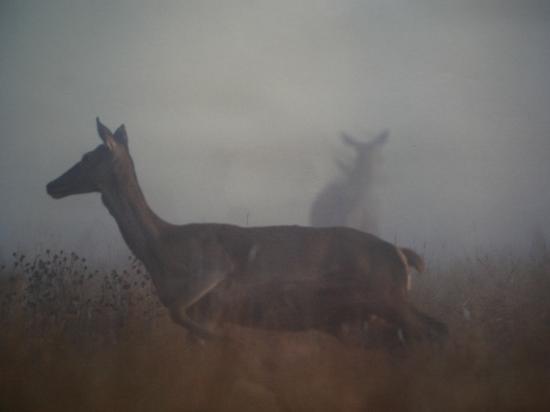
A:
[(365, 152), (98, 169), (340, 199)]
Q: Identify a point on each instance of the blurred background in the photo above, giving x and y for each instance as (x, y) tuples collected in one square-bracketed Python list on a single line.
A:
[(235, 111)]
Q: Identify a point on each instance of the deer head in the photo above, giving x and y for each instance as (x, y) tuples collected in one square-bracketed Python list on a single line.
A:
[(364, 149), (98, 168)]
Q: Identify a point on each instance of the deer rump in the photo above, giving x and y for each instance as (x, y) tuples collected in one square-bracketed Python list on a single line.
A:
[(298, 278)]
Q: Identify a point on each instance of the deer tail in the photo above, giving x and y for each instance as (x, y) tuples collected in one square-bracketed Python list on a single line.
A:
[(410, 259), (413, 259)]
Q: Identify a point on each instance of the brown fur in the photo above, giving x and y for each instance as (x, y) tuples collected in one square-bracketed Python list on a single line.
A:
[(287, 277)]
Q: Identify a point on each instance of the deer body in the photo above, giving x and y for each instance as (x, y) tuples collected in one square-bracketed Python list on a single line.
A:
[(330, 275)]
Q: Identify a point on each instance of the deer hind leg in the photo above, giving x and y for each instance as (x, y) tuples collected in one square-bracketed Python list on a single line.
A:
[(412, 325), (435, 329)]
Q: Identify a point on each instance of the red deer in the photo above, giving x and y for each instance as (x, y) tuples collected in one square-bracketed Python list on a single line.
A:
[(348, 201), (329, 275)]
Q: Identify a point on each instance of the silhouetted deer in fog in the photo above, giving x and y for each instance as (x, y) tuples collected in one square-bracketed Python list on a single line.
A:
[(349, 196), (335, 275)]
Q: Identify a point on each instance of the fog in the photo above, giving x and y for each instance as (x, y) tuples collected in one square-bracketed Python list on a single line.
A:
[(234, 112)]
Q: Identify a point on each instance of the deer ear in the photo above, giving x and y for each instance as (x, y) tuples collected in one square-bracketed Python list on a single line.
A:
[(105, 134), (347, 139), (121, 136)]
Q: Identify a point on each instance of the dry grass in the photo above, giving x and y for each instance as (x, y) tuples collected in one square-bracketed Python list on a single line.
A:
[(75, 338)]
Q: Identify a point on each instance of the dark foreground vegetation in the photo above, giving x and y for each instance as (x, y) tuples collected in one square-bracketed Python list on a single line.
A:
[(74, 338)]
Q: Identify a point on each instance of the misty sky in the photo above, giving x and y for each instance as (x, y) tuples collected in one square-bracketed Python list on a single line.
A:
[(234, 108)]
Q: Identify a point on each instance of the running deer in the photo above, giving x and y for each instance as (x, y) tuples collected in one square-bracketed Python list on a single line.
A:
[(330, 275), (348, 201)]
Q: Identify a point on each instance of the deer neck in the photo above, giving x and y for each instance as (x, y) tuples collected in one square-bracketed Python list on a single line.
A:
[(139, 225)]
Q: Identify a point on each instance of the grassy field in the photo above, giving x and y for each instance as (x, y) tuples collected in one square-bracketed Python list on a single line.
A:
[(75, 338)]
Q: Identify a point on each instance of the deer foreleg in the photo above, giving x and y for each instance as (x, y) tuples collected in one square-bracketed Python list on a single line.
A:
[(178, 309), (180, 316)]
